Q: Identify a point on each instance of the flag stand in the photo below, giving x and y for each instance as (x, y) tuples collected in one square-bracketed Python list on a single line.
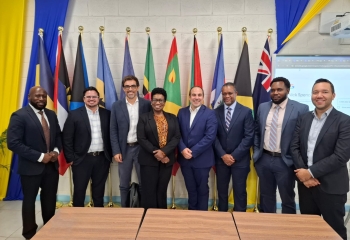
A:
[(173, 206)]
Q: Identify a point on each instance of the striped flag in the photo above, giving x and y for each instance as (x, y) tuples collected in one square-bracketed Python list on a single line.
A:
[(149, 78), (128, 69), (61, 96), (80, 78), (219, 78), (104, 82), (261, 92)]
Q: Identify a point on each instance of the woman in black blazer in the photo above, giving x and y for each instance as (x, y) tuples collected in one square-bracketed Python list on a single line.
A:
[(158, 135)]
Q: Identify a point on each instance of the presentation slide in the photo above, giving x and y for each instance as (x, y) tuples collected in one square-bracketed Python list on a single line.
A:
[(303, 71)]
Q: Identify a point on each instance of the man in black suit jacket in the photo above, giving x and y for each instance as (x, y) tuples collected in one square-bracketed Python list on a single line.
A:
[(234, 139), (87, 146), (320, 151), (37, 156)]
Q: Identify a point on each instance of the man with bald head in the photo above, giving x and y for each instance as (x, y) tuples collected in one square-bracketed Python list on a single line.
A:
[(35, 136)]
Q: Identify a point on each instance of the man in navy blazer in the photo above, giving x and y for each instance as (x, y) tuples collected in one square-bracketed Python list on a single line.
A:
[(275, 124), (320, 151), (87, 146), (234, 139), (125, 148), (198, 126), (37, 162)]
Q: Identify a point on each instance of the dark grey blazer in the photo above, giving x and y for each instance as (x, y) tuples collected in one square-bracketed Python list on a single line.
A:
[(332, 151)]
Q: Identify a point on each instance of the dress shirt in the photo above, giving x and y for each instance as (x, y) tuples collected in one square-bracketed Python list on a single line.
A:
[(96, 133), (193, 113), (232, 106), (36, 111), (316, 126), (133, 110), (281, 113)]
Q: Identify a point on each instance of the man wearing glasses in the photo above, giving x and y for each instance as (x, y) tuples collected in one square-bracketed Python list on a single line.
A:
[(87, 146), (125, 148)]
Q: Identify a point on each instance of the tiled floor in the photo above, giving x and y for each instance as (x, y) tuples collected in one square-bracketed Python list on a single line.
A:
[(11, 220)]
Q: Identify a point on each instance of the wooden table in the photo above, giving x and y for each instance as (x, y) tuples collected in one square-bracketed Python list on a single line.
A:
[(92, 223), (260, 226), (184, 224)]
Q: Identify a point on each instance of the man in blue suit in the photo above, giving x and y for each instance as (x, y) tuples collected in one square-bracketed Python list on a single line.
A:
[(124, 118), (275, 124), (234, 139), (198, 127)]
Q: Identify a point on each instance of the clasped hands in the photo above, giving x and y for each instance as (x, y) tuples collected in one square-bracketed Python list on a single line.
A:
[(50, 157), (306, 178), (228, 159), (160, 156)]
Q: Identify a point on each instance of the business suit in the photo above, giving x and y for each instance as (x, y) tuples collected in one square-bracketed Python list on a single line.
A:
[(276, 171), (120, 126), (76, 143), (330, 156), (155, 175), (236, 141), (199, 138), (26, 138)]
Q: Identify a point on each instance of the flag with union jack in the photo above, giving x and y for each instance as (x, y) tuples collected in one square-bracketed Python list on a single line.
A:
[(261, 92)]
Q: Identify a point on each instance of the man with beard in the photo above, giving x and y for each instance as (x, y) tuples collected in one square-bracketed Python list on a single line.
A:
[(275, 124), (34, 134)]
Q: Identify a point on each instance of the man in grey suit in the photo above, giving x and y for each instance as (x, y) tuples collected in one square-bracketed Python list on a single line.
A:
[(124, 118), (275, 123), (320, 151)]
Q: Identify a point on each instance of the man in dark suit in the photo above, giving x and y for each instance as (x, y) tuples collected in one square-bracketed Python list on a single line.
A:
[(198, 126), (320, 151), (234, 139), (125, 148), (275, 123), (87, 146), (34, 134)]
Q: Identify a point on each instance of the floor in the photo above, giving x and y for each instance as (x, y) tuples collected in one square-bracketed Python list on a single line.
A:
[(11, 221)]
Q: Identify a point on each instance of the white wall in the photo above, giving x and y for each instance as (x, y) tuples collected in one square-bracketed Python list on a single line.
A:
[(184, 15)]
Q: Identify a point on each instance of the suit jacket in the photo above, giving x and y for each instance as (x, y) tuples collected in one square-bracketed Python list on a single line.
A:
[(25, 137), (77, 135), (120, 123), (331, 153), (199, 138), (239, 138), (147, 137), (293, 111)]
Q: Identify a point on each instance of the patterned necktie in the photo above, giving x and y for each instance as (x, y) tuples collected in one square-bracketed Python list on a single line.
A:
[(273, 130), (228, 118), (46, 130)]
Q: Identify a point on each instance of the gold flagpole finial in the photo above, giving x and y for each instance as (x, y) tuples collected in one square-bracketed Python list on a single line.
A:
[(173, 31), (195, 30), (244, 29), (60, 29), (269, 32), (148, 30), (128, 30), (102, 29), (81, 29), (41, 32), (219, 29)]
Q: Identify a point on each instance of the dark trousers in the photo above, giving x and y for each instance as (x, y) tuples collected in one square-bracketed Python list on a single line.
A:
[(331, 206), (96, 168), (239, 185), (196, 181), (273, 172), (155, 184), (48, 182)]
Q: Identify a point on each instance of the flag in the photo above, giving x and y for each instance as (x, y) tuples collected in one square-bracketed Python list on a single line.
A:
[(104, 81), (61, 97), (149, 78), (243, 86), (80, 78), (127, 67), (172, 87), (196, 74), (219, 78), (261, 92), (43, 74)]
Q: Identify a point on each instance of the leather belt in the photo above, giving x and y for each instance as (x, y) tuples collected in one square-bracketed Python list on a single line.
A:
[(273, 154), (95, 153), (132, 144)]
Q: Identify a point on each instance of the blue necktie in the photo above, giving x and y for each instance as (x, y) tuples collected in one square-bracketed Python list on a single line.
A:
[(228, 118), (273, 130)]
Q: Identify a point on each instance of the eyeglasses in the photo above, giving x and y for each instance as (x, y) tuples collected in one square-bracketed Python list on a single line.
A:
[(93, 97), (158, 100), (130, 86)]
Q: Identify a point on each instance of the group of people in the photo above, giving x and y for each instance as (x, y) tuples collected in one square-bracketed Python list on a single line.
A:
[(290, 143)]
